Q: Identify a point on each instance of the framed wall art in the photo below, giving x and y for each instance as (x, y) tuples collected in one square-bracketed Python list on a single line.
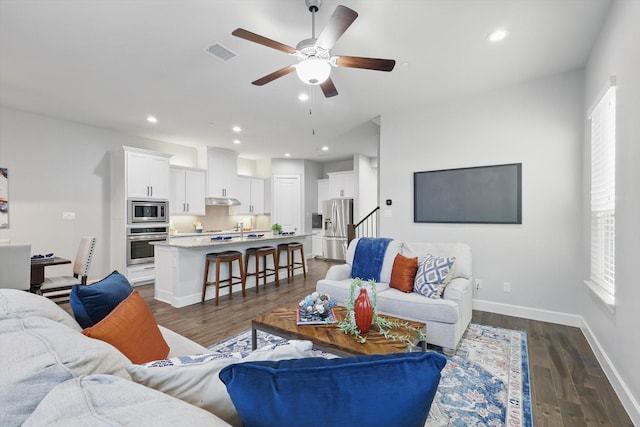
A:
[(481, 195), (4, 198)]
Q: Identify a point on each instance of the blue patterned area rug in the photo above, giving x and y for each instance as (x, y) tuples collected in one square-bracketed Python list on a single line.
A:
[(485, 384)]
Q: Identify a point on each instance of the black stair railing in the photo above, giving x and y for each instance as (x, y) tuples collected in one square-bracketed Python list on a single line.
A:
[(367, 227)]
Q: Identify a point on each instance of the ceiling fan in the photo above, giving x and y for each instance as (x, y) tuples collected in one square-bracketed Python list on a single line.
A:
[(314, 54)]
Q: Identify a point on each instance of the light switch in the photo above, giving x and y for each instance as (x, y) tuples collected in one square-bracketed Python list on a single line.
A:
[(68, 215)]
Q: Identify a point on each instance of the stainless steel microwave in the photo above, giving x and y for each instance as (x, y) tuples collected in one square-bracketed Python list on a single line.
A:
[(145, 211)]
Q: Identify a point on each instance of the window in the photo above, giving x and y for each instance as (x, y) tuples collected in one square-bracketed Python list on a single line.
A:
[(603, 192)]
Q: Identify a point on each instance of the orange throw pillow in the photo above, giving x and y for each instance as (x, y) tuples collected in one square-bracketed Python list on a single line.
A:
[(132, 329), (403, 273)]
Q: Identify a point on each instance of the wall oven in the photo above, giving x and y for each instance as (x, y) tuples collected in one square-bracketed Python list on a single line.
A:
[(146, 211), (139, 247)]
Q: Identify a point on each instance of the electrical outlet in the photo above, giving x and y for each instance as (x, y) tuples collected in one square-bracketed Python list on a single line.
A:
[(478, 283), (507, 286)]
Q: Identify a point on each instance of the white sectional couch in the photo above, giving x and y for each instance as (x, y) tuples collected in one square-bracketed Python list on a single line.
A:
[(53, 375), (447, 318)]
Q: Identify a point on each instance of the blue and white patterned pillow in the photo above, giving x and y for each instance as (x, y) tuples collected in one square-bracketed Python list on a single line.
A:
[(434, 273)]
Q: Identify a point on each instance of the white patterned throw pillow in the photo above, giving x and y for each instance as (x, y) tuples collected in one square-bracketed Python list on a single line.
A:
[(434, 273)]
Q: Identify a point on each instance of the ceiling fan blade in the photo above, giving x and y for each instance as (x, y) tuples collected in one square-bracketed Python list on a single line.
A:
[(366, 63), (256, 38), (341, 19), (328, 88), (275, 75)]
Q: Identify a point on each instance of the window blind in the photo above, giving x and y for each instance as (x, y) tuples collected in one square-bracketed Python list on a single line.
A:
[(603, 191)]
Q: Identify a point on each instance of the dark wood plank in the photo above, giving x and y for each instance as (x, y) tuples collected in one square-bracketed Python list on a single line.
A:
[(568, 386)]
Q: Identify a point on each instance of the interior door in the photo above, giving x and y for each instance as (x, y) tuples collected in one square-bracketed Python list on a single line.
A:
[(287, 202)]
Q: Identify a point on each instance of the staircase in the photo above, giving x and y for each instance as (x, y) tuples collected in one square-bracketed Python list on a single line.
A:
[(367, 227)]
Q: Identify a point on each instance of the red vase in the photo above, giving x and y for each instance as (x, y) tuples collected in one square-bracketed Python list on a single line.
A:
[(363, 311)]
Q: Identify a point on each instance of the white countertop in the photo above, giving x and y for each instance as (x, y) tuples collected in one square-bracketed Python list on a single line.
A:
[(221, 233), (204, 239)]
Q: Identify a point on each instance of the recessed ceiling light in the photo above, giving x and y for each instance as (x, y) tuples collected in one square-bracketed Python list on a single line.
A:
[(497, 35), (236, 141), (287, 154), (237, 129), (303, 97), (152, 119), (325, 148)]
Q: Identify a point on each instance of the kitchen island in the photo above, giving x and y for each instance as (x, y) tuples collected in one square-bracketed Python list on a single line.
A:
[(179, 263)]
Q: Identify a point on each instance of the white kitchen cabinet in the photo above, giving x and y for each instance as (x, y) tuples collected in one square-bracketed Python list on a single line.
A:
[(187, 191), (147, 174), (323, 193), (342, 184), (141, 273), (251, 196), (222, 171), (316, 243)]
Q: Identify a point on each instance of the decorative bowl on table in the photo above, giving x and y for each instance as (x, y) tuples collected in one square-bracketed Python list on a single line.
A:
[(316, 309)]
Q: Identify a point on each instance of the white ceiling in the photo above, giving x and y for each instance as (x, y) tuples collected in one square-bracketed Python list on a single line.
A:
[(110, 63)]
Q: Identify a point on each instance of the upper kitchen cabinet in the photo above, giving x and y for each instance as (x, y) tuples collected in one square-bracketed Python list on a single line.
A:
[(222, 171), (342, 184), (147, 174), (251, 196), (187, 191)]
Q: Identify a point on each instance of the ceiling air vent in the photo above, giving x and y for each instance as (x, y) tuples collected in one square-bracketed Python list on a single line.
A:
[(221, 52)]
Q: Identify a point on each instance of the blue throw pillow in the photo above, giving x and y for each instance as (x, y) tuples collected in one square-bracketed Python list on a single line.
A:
[(379, 390), (91, 303)]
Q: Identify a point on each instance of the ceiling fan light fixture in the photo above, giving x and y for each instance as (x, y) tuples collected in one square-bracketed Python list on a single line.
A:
[(313, 71)]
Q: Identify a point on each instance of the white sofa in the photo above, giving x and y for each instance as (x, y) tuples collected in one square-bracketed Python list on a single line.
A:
[(446, 318), (53, 375)]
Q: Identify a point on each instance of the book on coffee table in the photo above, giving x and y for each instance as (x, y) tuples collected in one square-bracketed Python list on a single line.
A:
[(315, 319)]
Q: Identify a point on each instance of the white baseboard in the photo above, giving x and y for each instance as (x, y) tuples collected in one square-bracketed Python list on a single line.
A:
[(529, 313), (617, 382), (628, 401)]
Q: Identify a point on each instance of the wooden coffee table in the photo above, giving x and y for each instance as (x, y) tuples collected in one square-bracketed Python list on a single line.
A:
[(283, 322)]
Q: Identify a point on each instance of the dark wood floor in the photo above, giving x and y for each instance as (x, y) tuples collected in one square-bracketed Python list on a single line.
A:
[(568, 386)]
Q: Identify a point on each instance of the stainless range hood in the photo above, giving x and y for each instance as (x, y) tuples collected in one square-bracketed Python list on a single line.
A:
[(221, 201)]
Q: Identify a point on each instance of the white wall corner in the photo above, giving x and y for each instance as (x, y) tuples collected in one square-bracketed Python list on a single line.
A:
[(629, 402)]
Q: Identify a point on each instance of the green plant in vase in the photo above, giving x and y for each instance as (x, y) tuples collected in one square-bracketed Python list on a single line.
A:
[(276, 228), (382, 324)]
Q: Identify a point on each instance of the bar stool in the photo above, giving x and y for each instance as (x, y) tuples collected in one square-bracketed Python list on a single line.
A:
[(257, 253), (224, 257), (292, 264)]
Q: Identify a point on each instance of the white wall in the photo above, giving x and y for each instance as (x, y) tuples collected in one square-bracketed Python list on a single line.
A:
[(337, 166), (539, 124), (366, 179), (617, 334), (59, 166), (312, 172)]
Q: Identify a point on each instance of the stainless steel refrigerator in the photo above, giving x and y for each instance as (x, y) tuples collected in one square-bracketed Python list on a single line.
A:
[(336, 215)]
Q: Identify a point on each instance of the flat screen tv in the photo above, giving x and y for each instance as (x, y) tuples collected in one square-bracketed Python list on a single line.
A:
[(482, 195)]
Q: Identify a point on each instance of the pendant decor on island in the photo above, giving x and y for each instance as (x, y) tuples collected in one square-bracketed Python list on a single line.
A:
[(363, 311)]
